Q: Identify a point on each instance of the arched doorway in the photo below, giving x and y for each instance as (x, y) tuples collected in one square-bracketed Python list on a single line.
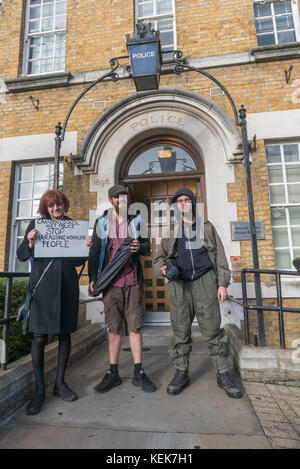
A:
[(151, 121), (154, 170)]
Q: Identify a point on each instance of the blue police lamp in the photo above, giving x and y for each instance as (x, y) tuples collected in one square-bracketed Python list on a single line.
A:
[(145, 57)]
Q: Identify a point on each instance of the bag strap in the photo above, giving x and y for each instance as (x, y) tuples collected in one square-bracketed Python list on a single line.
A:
[(81, 270), (40, 279)]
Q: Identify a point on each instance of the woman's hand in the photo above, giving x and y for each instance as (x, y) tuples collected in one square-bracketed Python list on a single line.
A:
[(134, 246), (32, 235), (91, 288), (88, 241), (222, 294), (164, 270)]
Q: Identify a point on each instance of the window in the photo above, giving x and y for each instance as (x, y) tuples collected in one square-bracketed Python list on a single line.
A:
[(32, 180), (283, 165), (162, 159), (161, 13), (276, 22), (45, 36)]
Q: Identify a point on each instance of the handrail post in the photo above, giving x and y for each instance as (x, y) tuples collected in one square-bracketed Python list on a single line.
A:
[(6, 325), (245, 307), (257, 282), (280, 312)]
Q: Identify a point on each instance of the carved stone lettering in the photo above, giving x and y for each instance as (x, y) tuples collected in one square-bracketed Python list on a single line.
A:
[(162, 119)]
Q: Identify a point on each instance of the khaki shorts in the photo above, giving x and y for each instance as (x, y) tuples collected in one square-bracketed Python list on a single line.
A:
[(123, 302)]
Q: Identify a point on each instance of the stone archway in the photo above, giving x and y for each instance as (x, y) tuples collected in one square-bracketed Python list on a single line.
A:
[(166, 112)]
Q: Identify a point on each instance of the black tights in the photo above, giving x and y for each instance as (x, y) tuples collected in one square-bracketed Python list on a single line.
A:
[(37, 353)]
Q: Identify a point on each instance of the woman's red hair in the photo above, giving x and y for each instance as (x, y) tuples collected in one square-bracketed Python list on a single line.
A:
[(53, 196)]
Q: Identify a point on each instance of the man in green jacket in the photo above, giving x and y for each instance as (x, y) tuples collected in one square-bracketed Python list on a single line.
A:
[(191, 255)]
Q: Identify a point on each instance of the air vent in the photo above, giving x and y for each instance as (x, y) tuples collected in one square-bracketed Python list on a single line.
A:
[(99, 104), (216, 92)]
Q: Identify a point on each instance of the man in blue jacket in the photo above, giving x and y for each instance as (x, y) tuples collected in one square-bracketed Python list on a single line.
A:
[(123, 297)]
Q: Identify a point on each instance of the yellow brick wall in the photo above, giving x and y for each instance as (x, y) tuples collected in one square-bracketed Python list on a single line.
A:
[(96, 31)]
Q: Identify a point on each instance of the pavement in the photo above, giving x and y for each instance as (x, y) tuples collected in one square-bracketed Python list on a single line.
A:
[(202, 416)]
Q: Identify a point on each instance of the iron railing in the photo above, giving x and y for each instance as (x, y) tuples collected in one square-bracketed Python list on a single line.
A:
[(7, 318), (280, 309)]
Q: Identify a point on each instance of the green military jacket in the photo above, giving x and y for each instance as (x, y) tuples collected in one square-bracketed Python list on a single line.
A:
[(211, 242)]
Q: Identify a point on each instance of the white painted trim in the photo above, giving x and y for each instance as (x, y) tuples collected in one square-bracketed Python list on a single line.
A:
[(274, 125), (31, 147)]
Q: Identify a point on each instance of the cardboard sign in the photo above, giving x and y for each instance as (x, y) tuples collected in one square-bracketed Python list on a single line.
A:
[(61, 238)]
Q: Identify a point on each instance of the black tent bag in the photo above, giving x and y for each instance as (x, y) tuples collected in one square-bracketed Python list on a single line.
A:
[(114, 266)]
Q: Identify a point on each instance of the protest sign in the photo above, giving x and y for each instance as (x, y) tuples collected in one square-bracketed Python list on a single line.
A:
[(61, 238)]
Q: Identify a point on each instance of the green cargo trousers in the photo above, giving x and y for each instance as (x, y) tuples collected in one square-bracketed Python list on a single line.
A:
[(187, 299)]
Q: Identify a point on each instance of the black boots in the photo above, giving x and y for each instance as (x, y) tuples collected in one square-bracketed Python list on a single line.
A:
[(225, 382), (141, 379), (180, 381), (109, 381), (35, 405), (64, 392)]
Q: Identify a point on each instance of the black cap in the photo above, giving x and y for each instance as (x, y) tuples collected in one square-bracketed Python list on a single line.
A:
[(114, 191)]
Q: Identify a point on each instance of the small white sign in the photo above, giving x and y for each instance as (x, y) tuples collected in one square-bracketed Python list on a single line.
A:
[(61, 238)]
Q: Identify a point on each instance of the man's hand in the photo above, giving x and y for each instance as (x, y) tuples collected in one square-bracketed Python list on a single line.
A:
[(222, 294), (91, 288), (164, 270), (88, 241), (134, 246), (32, 235)]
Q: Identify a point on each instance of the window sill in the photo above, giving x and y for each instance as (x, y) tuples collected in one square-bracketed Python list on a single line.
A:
[(33, 82), (276, 51)]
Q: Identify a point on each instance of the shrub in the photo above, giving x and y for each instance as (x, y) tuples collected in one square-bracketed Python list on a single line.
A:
[(18, 344)]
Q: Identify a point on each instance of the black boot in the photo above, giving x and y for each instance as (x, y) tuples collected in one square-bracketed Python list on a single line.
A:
[(109, 381), (180, 381), (141, 379), (225, 382), (64, 392), (35, 405)]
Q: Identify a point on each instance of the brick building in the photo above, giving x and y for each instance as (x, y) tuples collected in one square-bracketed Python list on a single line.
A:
[(51, 50)]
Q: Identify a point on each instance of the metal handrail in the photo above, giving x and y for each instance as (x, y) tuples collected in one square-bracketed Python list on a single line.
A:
[(280, 309)]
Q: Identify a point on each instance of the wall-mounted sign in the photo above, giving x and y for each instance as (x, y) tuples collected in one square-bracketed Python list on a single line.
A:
[(143, 59), (235, 258), (240, 230), (61, 238)]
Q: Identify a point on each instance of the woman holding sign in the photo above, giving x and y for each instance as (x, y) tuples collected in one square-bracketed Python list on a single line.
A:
[(54, 305)]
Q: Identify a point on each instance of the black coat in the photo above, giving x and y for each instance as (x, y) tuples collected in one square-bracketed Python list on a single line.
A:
[(54, 306)]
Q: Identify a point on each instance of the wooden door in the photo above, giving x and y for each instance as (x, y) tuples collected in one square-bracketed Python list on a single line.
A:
[(157, 197)]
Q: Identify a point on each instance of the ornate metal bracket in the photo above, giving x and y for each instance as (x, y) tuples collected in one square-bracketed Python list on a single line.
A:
[(61, 130), (180, 67), (288, 73)]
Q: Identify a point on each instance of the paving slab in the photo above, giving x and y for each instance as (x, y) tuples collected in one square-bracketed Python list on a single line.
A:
[(126, 417)]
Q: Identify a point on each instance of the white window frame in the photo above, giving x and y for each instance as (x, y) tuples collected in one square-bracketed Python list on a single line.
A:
[(284, 205), (41, 34), (15, 218), (156, 17), (295, 12)]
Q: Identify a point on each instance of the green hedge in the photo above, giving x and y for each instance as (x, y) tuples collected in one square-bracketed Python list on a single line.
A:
[(18, 345)]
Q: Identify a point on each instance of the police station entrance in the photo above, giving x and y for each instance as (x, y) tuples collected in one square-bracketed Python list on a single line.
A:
[(153, 173)]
